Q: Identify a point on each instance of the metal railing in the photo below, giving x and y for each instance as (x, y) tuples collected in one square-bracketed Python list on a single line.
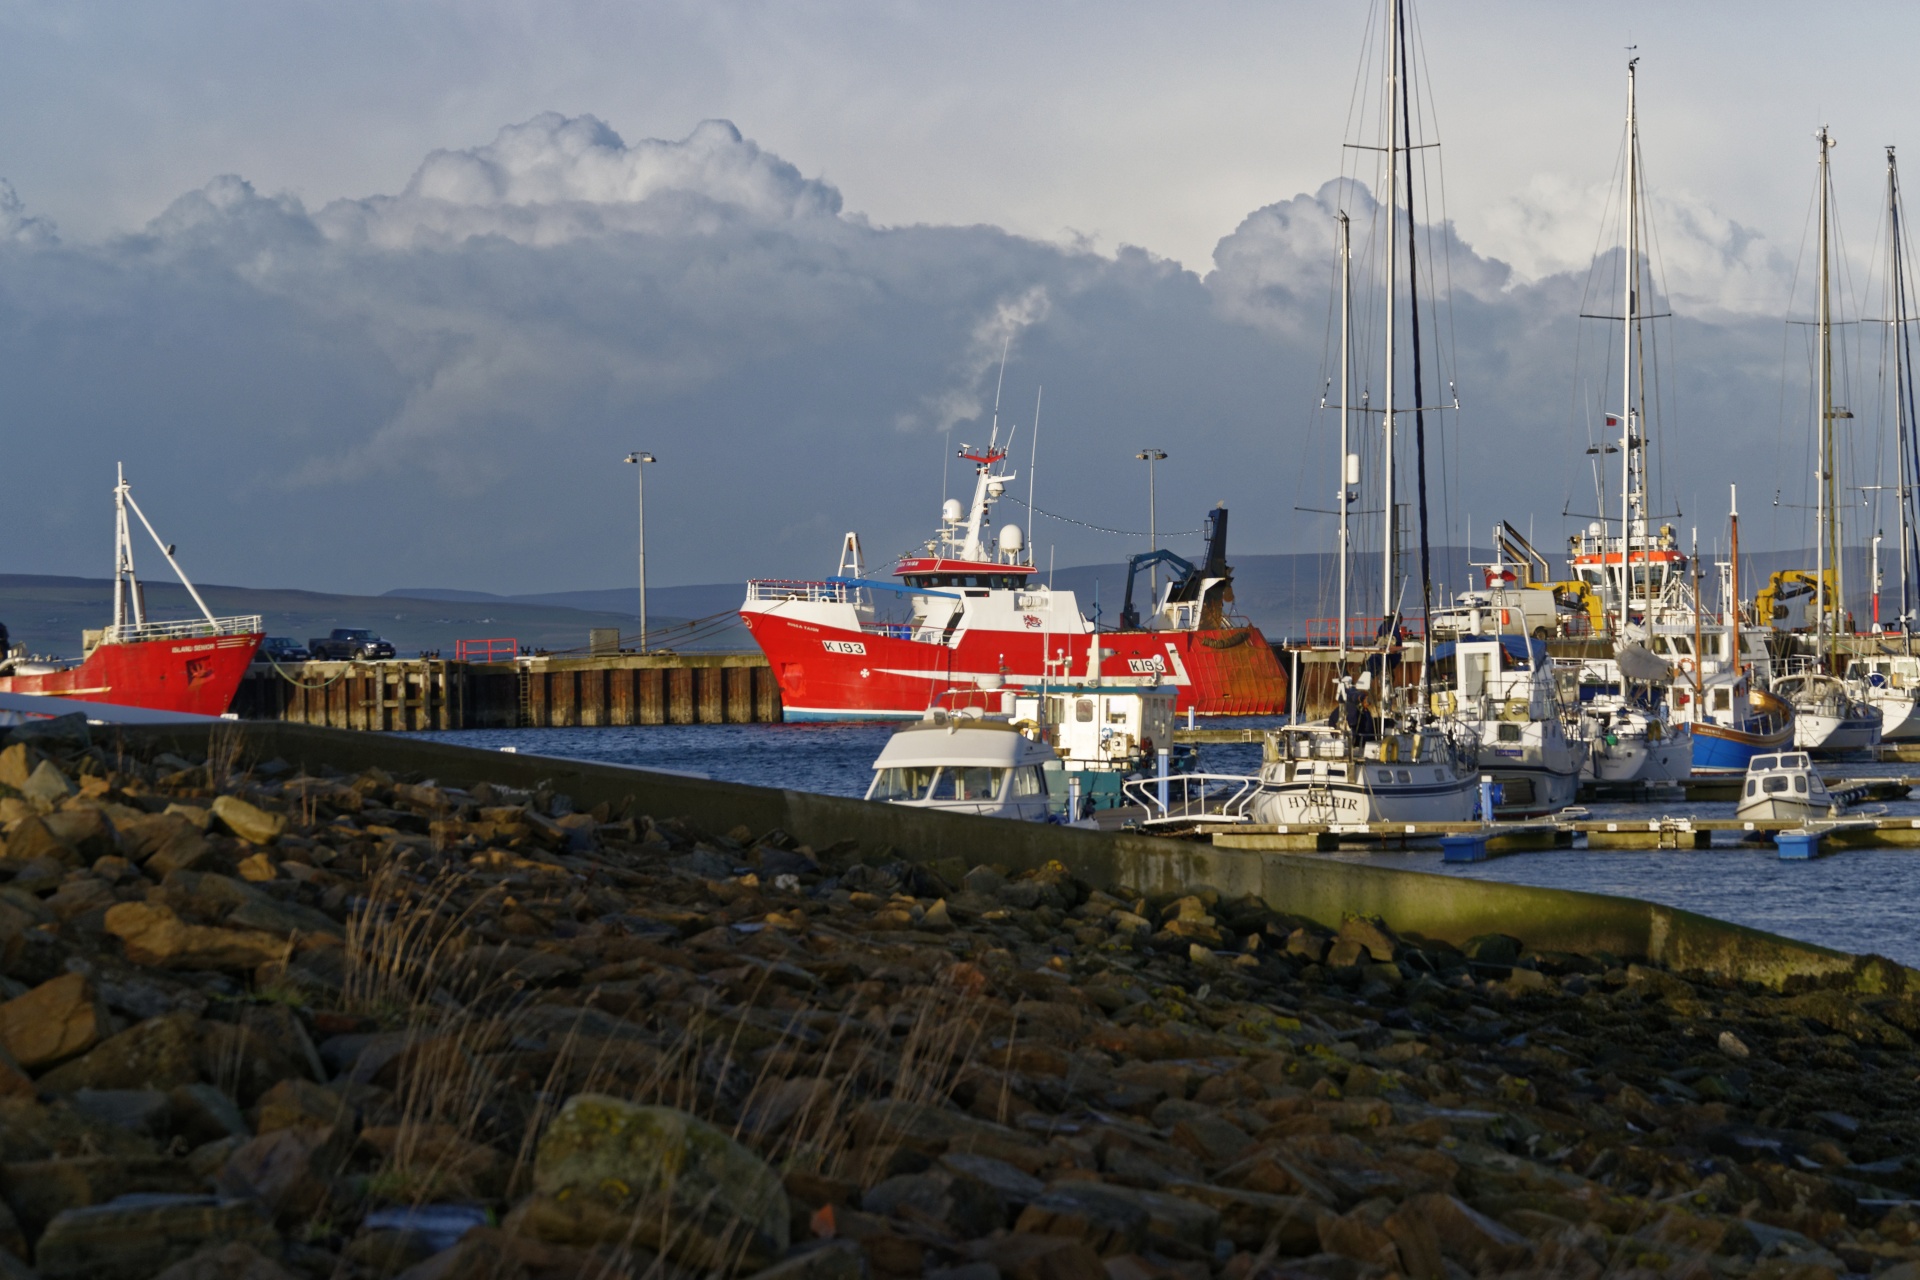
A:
[(188, 629), (777, 589), (1362, 630), (1194, 797), (499, 649)]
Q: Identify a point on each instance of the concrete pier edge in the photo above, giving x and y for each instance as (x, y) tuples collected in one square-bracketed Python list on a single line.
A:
[(1414, 903)]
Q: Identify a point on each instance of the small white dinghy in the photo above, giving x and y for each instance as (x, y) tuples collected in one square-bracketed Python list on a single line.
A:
[(1787, 786), (964, 762)]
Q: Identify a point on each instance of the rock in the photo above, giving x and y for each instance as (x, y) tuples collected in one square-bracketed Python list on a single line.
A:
[(31, 840), (53, 1022), (608, 1170), (290, 1171), (239, 905), (829, 1260), (86, 831), (132, 1236), (164, 843), (1371, 933), (155, 935), (46, 783), (967, 1206), (301, 1104), (1254, 1220), (138, 1110), (251, 823), (1013, 1185), (440, 1163), (17, 764), (1466, 1235), (1110, 1224), (156, 1054), (1493, 950), (201, 1114), (1024, 1256), (258, 869), (1733, 1046), (1215, 1142), (234, 1260)]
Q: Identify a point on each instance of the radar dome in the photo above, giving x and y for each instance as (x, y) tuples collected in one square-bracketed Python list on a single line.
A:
[(1010, 540), (950, 511)]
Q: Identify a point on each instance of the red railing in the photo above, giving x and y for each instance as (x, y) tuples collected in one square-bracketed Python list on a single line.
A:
[(1361, 630), (498, 650)]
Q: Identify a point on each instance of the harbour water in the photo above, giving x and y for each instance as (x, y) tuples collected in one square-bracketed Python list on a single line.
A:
[(1858, 900)]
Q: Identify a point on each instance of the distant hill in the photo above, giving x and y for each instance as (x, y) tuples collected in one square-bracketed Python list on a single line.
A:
[(47, 614)]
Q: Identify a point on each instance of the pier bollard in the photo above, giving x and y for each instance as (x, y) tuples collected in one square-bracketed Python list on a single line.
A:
[(1073, 797), (1163, 782)]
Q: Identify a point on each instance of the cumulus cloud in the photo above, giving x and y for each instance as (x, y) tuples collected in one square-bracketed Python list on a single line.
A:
[(437, 385)]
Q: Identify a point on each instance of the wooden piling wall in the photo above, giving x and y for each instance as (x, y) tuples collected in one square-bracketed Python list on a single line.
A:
[(538, 692)]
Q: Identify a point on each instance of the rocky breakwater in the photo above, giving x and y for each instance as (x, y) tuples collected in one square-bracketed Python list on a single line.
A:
[(265, 1024)]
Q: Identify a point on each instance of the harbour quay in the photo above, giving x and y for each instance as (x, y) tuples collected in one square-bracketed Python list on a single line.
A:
[(541, 691)]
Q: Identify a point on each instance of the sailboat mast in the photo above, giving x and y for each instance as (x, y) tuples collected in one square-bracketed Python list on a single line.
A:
[(1387, 547), (1733, 606), (1823, 431), (1346, 383), (1902, 384), (1627, 334)]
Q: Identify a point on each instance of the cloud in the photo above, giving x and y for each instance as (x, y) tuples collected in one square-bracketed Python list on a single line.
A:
[(436, 386)]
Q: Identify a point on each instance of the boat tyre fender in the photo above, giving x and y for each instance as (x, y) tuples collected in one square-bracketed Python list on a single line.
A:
[(1443, 703), (1389, 750), (1516, 709)]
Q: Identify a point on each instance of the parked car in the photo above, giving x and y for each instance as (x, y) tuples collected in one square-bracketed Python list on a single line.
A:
[(281, 649), (347, 644)]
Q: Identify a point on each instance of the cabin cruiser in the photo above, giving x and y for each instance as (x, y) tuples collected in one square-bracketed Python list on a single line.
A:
[(965, 762), (1785, 786), (1891, 683), (1356, 768), (1829, 715), (1503, 695)]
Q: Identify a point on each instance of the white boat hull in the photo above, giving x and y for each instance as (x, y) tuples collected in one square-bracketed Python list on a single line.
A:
[(1447, 798), (1834, 734), (1899, 714)]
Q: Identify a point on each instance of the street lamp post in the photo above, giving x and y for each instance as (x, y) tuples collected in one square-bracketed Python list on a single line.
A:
[(1151, 456), (639, 461)]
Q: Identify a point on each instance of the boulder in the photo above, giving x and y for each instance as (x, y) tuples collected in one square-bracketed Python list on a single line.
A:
[(132, 1237), (46, 783), (250, 822), (17, 764), (30, 840), (234, 1260), (86, 830), (53, 1022), (614, 1171), (290, 1171), (156, 1054), (155, 935), (165, 842)]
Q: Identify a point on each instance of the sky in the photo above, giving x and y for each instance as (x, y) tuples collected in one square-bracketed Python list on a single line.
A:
[(378, 295)]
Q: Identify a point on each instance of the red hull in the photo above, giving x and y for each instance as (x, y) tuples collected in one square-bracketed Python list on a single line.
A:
[(1226, 672), (193, 674)]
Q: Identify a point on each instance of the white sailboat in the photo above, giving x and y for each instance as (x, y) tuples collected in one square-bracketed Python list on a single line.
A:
[(1382, 757), (1828, 716)]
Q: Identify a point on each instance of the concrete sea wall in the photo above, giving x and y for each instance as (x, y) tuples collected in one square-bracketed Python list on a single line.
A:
[(1414, 903)]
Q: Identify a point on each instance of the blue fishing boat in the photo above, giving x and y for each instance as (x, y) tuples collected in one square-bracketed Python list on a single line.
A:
[(1733, 722)]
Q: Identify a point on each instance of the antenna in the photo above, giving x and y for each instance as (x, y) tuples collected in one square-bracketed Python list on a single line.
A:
[(1033, 466), (1000, 382)]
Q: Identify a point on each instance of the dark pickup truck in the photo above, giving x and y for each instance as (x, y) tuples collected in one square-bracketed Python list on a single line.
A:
[(348, 643)]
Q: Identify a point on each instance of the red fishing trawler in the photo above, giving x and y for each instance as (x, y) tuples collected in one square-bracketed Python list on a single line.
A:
[(191, 666), (971, 613)]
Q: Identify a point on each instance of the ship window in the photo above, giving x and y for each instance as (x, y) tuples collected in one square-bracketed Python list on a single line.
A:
[(1774, 785), (973, 783), (902, 784), (1385, 775), (1083, 711), (1405, 776), (1723, 699), (1660, 644), (1753, 786), (1509, 733), (1030, 781), (1800, 783), (1682, 645), (1117, 715)]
